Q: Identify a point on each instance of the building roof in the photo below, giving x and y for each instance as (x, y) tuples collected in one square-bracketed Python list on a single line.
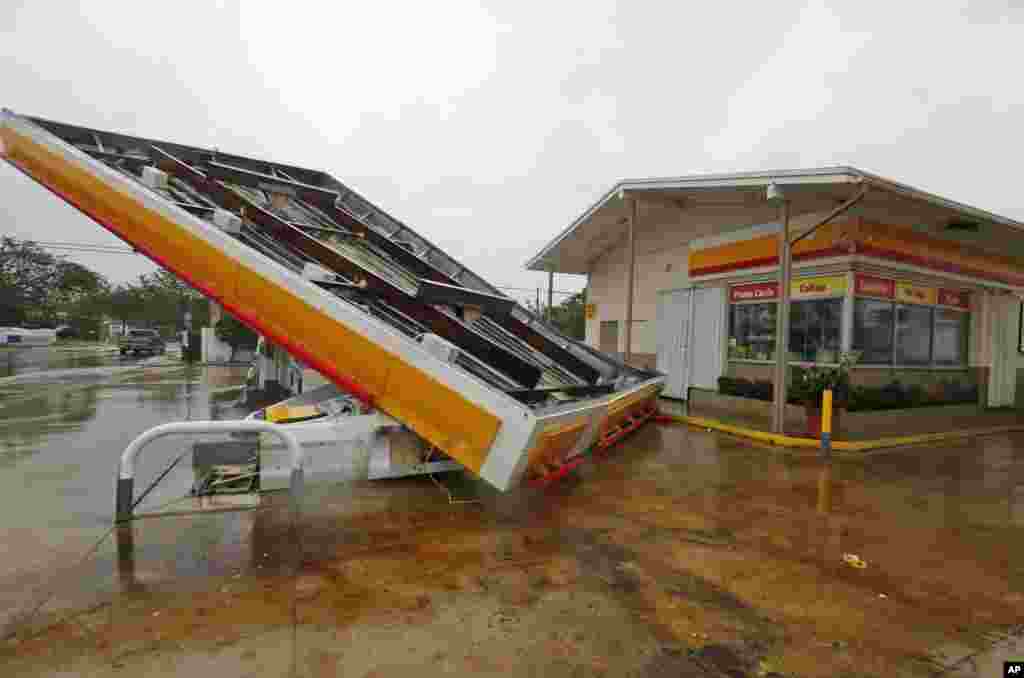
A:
[(572, 250)]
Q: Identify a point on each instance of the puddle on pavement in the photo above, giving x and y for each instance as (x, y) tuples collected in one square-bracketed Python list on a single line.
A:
[(23, 361), (62, 431), (678, 552)]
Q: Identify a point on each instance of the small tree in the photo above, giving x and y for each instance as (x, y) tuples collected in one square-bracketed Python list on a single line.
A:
[(235, 334), (37, 286), (808, 384), (569, 316)]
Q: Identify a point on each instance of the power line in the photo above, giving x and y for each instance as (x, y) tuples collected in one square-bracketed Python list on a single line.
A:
[(102, 248), (85, 245), (80, 244), (87, 250), (534, 289), (99, 248)]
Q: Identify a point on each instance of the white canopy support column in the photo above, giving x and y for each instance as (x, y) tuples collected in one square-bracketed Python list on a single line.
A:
[(634, 211), (551, 292), (782, 326)]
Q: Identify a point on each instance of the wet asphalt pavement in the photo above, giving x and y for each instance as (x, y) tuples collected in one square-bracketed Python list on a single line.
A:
[(679, 552), (66, 418)]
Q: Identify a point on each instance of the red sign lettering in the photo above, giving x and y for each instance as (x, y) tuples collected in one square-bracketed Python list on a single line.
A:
[(754, 292), (955, 298), (874, 287)]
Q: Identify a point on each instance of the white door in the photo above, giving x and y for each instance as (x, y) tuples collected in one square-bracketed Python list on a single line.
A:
[(707, 337), (1002, 385), (672, 326)]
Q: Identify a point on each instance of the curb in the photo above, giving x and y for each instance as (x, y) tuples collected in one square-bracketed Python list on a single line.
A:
[(783, 440)]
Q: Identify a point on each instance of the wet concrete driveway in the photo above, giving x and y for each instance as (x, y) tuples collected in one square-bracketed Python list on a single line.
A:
[(678, 553)]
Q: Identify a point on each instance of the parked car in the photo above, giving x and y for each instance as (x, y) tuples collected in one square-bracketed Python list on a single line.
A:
[(142, 342)]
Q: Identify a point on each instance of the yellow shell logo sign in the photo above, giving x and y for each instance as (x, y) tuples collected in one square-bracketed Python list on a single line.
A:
[(818, 287), (916, 294)]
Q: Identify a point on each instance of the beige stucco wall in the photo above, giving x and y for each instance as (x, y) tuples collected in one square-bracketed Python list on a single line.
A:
[(662, 251), (660, 264)]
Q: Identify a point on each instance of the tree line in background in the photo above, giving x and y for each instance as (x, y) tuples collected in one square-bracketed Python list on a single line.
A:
[(40, 289), (568, 316)]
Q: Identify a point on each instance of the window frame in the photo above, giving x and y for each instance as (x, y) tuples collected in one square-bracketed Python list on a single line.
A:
[(840, 297), (892, 330), (729, 330), (932, 309)]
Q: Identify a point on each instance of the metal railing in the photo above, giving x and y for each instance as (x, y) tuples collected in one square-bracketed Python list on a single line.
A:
[(126, 470)]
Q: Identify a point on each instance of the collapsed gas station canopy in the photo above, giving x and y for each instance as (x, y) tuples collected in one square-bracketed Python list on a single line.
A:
[(347, 289)]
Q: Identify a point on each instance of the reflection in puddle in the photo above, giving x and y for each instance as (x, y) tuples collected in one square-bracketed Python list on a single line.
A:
[(825, 488), (124, 535), (62, 431), (25, 360)]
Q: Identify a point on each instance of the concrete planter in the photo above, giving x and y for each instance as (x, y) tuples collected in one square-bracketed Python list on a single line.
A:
[(707, 399)]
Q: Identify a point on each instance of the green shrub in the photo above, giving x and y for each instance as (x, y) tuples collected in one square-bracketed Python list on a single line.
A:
[(745, 388), (895, 395), (892, 396), (235, 333)]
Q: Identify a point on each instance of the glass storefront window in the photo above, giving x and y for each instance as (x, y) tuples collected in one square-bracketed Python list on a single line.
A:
[(814, 328), (752, 331), (872, 330), (886, 333), (913, 335), (950, 343), (814, 331)]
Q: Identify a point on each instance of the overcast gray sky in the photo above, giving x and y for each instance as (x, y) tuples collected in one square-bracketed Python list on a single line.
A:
[(488, 127)]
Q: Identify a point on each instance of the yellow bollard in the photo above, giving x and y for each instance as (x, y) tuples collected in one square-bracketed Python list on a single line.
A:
[(826, 422)]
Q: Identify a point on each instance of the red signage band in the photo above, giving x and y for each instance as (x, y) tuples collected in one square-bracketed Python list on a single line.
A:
[(874, 287), (955, 298), (754, 292)]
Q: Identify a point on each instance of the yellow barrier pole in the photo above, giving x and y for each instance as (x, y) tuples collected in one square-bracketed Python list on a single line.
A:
[(826, 422)]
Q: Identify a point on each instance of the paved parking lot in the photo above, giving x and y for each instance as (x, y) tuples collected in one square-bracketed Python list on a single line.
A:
[(679, 552)]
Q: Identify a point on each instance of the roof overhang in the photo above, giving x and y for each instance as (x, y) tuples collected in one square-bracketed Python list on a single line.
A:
[(604, 223)]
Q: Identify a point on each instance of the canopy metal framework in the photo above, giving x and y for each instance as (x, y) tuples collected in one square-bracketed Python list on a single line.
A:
[(346, 288)]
